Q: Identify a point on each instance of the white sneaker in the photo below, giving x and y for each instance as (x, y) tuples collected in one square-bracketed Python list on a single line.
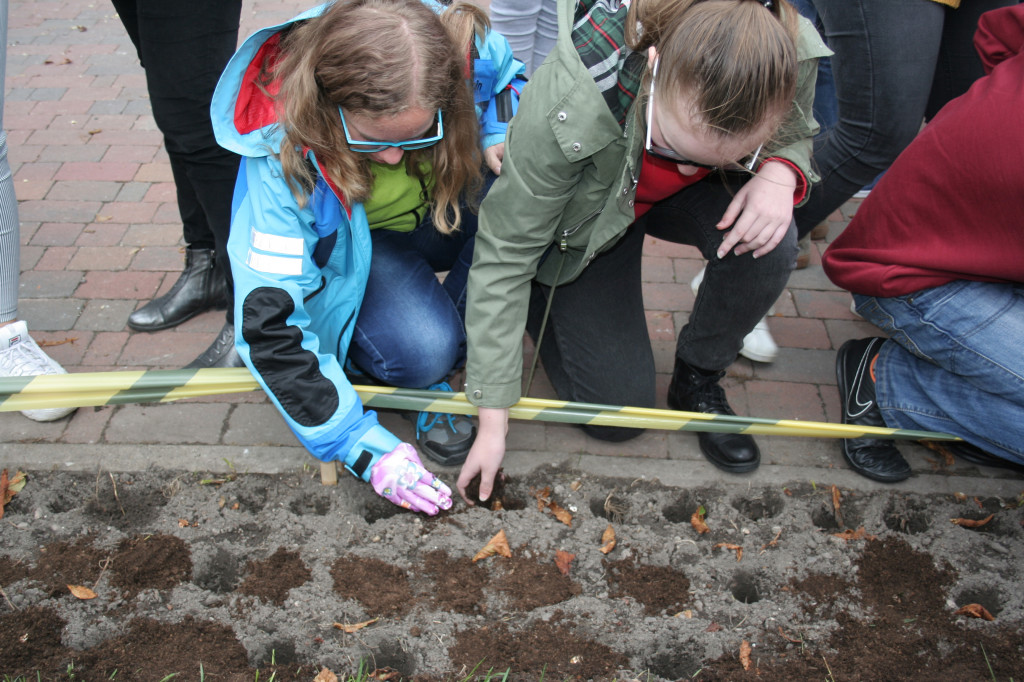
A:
[(21, 357), (758, 345)]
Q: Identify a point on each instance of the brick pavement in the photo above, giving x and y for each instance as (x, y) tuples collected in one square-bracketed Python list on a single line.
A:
[(101, 235)]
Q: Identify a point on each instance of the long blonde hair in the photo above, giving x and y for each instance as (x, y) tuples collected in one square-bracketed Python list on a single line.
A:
[(735, 60), (380, 57)]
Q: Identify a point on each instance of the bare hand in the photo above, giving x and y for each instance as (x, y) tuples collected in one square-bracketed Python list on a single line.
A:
[(494, 155), (761, 212), (486, 454)]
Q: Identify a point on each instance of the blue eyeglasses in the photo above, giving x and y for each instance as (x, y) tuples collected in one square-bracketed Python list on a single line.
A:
[(368, 147)]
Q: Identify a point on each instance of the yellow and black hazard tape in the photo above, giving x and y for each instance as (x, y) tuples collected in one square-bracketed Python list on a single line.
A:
[(118, 388)]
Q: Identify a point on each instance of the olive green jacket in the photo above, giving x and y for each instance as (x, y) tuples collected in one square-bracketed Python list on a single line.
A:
[(568, 179)]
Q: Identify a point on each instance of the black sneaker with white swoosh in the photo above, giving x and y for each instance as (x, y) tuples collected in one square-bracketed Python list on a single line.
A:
[(875, 458)]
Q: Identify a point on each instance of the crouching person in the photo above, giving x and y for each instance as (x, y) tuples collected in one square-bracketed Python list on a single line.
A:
[(356, 115)]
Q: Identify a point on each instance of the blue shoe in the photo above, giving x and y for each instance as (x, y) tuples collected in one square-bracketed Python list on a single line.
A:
[(444, 438)]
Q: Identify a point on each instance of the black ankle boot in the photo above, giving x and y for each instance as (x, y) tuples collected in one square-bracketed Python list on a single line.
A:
[(221, 352), (694, 390), (200, 287)]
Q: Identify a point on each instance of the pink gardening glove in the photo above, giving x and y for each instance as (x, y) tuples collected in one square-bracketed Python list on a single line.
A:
[(399, 477)]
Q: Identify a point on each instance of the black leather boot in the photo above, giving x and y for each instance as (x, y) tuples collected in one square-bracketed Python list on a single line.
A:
[(695, 390), (221, 352), (200, 287)]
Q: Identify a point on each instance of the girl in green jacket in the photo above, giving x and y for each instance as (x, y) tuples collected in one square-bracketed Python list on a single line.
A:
[(688, 120)]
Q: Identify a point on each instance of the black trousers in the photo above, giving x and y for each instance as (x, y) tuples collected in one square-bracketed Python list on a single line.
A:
[(183, 46), (596, 348)]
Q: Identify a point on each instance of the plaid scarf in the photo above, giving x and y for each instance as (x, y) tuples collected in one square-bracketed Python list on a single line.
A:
[(597, 34)]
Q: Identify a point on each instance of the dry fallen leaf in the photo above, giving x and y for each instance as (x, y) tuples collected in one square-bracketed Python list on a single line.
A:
[(82, 592), (972, 523), (835, 497), (774, 540), (104, 218), (354, 627), (61, 61), (745, 654), (960, 496), (48, 344), (850, 534), (788, 638), (575, 485), (713, 627), (183, 523), (561, 514), (544, 500), (697, 521), (974, 611), (608, 539), (564, 560), (9, 487), (736, 548), (325, 675), (385, 673), (496, 545)]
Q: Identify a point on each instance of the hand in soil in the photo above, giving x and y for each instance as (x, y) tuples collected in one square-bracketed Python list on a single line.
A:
[(399, 477)]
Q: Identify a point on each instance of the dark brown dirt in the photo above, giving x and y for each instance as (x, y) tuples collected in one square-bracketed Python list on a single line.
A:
[(272, 579), (238, 591)]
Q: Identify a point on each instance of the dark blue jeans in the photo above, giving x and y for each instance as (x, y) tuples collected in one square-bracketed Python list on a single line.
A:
[(896, 62), (411, 327)]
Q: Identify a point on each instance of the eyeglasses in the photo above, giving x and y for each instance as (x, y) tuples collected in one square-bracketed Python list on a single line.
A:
[(368, 147), (666, 154)]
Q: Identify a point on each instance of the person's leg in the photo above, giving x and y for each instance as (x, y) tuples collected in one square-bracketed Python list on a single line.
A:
[(737, 291), (884, 64), (547, 31), (19, 354), (735, 294), (517, 21), (183, 47), (595, 347), (954, 363), (959, 65), (409, 332)]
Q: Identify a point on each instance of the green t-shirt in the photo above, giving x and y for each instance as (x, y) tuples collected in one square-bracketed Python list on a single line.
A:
[(398, 201)]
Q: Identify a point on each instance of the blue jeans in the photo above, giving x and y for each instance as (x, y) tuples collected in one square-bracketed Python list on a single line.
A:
[(895, 63), (954, 362), (411, 327)]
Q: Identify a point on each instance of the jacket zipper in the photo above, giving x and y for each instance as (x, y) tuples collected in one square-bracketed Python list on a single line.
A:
[(563, 243)]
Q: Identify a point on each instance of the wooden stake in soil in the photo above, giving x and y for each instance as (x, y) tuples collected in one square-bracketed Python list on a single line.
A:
[(329, 473)]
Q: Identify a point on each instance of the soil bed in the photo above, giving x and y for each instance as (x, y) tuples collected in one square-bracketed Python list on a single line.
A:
[(227, 578)]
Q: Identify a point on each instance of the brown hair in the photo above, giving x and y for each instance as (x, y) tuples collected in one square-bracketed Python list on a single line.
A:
[(380, 57), (736, 59)]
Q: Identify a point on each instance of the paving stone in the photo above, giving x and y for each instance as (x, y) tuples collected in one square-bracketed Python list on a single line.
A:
[(102, 258), (113, 172), (167, 423), (131, 285), (29, 257), (105, 350), (258, 425), (50, 313), (59, 211), (105, 234), (83, 191), (105, 315), (48, 284), (87, 425), (55, 234)]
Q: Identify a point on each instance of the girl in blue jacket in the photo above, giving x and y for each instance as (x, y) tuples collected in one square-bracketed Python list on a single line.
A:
[(355, 115)]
